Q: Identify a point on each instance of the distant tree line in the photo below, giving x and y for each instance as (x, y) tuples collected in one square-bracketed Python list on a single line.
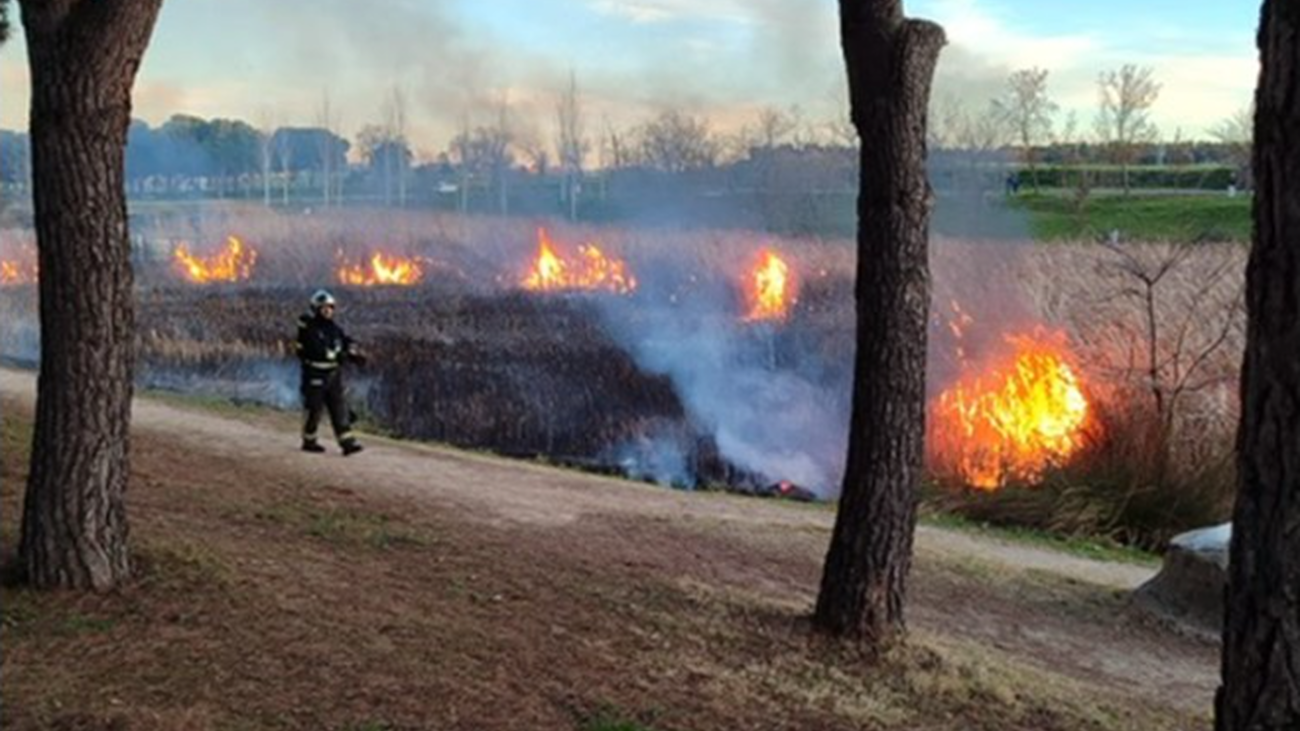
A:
[(781, 172)]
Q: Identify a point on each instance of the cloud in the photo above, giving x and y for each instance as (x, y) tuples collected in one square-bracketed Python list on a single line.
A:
[(981, 29), (984, 48), (723, 58), (15, 84), (664, 11), (1198, 92), (1199, 89)]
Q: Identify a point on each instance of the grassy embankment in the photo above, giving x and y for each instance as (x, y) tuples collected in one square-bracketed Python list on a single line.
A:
[(1055, 216)]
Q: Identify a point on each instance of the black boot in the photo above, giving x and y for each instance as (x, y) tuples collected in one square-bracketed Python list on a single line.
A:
[(313, 446), (350, 447)]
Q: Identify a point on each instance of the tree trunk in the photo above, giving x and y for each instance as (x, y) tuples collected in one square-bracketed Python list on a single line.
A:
[(891, 62), (83, 56), (1261, 636)]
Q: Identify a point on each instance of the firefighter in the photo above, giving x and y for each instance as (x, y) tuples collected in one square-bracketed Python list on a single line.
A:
[(323, 349)]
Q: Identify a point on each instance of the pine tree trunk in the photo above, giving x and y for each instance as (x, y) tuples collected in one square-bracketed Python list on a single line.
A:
[(1261, 637), (891, 62), (83, 56)]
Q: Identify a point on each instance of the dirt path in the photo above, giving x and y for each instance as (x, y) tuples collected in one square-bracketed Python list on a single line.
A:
[(499, 490), (764, 548)]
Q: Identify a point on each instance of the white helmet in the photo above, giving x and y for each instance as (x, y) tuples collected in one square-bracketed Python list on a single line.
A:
[(321, 298)]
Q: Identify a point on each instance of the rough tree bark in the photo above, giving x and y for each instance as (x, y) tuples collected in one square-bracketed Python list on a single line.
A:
[(1261, 637), (83, 56), (891, 62)]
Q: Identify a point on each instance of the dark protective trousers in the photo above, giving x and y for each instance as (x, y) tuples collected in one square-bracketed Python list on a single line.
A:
[(322, 391)]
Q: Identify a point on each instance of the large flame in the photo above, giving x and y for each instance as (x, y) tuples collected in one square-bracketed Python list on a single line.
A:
[(234, 263), (589, 270), (382, 269), (1011, 421), (769, 288)]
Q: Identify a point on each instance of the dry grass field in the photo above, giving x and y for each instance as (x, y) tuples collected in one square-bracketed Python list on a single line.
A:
[(421, 587), (1153, 332)]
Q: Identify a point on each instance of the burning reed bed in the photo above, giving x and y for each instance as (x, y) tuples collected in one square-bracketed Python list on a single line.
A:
[(703, 357), (1155, 336)]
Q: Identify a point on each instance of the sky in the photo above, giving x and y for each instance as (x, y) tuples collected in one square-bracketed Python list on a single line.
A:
[(455, 61)]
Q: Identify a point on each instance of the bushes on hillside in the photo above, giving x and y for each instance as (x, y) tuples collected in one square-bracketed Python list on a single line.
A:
[(1108, 176)]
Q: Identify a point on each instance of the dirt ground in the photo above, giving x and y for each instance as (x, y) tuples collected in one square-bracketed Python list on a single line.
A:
[(418, 587)]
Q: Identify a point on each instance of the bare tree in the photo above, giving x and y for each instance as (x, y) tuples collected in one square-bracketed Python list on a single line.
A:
[(284, 158), (1237, 133), (1124, 119), (775, 127), (462, 154), (1261, 631), (891, 62), (498, 139), (397, 160), (266, 151), (618, 148), (373, 142), (327, 120), (976, 140), (485, 152), (947, 117), (385, 150), (839, 128), (1075, 163), (533, 152), (675, 142), (984, 132), (571, 144), (1189, 317), (83, 58), (1028, 111)]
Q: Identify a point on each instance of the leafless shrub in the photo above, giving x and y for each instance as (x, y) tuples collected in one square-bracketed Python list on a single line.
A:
[(1164, 323)]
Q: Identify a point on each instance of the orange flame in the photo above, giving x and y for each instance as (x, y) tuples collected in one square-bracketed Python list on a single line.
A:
[(1013, 420), (232, 264), (958, 323), (14, 272), (382, 269), (590, 270), (769, 289)]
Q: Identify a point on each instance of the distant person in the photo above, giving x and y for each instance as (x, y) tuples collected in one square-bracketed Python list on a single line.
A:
[(323, 349), (1013, 183)]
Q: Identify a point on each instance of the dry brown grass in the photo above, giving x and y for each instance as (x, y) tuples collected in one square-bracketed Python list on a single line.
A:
[(264, 601), (477, 252), (1177, 453)]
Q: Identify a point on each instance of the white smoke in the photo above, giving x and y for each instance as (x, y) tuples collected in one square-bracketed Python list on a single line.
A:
[(767, 413)]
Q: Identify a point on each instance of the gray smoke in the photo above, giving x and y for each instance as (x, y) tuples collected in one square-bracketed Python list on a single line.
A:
[(20, 341), (769, 413), (265, 382), (661, 454)]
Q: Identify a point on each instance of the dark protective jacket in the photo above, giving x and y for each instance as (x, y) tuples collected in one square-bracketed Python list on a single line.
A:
[(322, 346)]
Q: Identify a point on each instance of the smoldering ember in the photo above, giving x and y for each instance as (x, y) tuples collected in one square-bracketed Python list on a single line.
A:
[(649, 366)]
